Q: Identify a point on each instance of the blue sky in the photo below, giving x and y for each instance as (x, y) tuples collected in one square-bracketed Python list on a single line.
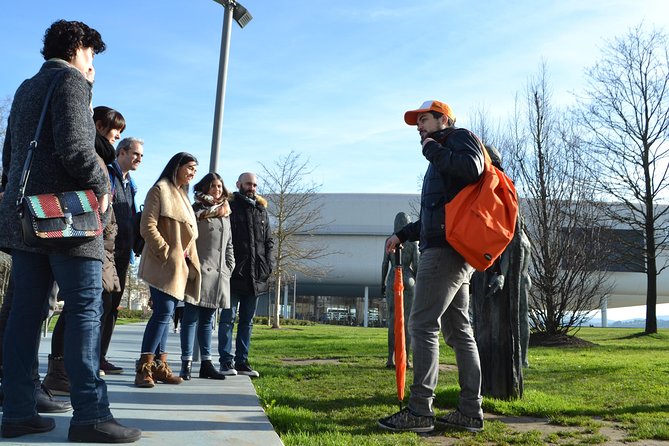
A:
[(329, 80)]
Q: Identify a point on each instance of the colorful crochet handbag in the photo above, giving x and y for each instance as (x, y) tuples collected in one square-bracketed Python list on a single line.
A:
[(56, 220), (64, 219)]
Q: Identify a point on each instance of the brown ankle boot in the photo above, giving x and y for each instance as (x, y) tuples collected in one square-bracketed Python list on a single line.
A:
[(163, 373), (145, 366)]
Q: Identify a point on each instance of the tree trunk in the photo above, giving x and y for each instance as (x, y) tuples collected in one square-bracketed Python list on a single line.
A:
[(277, 300), (651, 289)]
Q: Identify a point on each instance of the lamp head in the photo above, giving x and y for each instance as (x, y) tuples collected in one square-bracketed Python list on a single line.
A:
[(241, 15)]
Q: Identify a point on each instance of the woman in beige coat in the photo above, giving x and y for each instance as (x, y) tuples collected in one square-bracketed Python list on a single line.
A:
[(169, 263)]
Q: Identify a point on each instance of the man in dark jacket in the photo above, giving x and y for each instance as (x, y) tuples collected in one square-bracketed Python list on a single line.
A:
[(129, 153), (252, 243), (441, 301)]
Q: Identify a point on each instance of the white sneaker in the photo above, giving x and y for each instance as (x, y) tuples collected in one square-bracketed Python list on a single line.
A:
[(228, 369)]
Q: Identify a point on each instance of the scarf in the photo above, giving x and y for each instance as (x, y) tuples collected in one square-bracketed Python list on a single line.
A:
[(208, 207), (104, 149)]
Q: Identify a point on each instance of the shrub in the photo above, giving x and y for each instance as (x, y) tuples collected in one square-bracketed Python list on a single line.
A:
[(126, 313), (263, 320)]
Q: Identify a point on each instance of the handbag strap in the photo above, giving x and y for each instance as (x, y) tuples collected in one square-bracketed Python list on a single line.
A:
[(33, 144)]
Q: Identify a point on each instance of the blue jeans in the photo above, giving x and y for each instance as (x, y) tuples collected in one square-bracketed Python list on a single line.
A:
[(441, 303), (247, 309), (80, 282), (202, 320), (155, 333)]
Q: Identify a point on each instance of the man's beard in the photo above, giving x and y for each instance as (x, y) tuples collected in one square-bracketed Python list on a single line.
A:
[(247, 193)]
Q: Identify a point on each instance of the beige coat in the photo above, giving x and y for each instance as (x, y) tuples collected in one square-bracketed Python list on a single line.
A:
[(169, 229)]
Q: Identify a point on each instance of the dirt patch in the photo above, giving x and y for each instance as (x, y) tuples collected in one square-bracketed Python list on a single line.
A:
[(615, 435), (544, 340), (310, 361), (448, 368)]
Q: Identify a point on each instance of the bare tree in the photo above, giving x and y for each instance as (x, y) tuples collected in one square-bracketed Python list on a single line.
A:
[(562, 221), (5, 260), (136, 290), (295, 210), (626, 111), (5, 105), (490, 133)]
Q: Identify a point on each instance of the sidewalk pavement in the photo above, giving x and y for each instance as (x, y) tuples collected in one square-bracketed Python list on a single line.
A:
[(196, 412)]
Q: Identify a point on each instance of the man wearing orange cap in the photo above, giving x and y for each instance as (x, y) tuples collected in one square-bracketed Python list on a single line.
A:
[(442, 284)]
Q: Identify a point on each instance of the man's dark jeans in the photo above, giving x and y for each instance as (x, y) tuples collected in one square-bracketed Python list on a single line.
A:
[(247, 309)]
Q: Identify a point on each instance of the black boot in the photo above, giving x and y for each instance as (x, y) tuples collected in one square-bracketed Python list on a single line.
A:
[(56, 379), (185, 370), (208, 370), (35, 425), (106, 432), (46, 403)]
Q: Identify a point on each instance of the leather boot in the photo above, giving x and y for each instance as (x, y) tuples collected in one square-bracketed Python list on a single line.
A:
[(185, 369), (35, 425), (56, 379), (144, 371), (163, 372), (46, 403), (106, 432), (208, 370)]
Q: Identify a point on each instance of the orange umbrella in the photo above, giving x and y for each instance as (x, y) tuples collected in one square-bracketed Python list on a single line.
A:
[(400, 338)]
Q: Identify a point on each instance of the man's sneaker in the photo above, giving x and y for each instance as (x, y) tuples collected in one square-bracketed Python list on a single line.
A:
[(457, 419), (243, 368), (406, 421), (228, 369), (108, 368)]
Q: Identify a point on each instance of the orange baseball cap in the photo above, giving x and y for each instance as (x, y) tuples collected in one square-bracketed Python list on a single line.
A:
[(411, 117)]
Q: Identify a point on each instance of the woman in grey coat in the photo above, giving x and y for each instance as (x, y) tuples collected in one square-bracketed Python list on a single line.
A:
[(217, 260), (64, 160)]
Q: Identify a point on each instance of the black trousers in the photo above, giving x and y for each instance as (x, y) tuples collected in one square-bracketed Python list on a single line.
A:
[(110, 303), (4, 317)]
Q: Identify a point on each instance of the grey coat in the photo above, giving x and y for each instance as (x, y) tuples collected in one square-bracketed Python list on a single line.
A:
[(65, 158), (217, 261)]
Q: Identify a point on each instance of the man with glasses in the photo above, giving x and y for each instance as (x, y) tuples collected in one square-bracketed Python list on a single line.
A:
[(129, 154)]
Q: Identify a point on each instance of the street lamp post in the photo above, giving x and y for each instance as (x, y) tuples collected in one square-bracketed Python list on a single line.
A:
[(233, 10)]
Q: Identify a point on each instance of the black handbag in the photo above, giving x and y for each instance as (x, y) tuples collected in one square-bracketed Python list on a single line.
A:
[(138, 241), (55, 220)]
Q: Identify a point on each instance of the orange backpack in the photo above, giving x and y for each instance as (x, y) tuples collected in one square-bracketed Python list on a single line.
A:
[(481, 218)]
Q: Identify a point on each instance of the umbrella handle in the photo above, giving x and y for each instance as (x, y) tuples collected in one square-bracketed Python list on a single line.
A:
[(398, 255)]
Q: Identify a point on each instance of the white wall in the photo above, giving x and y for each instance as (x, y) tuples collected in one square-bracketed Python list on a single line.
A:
[(360, 224)]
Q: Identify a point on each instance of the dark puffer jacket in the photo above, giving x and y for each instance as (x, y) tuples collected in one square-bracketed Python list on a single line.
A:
[(455, 161), (253, 243)]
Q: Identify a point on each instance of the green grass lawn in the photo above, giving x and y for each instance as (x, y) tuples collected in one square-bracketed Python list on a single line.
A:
[(625, 378)]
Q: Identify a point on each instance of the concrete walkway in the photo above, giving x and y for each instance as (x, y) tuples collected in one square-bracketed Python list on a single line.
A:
[(196, 412)]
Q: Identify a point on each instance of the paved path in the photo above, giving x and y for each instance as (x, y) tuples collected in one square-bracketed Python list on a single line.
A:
[(196, 412)]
